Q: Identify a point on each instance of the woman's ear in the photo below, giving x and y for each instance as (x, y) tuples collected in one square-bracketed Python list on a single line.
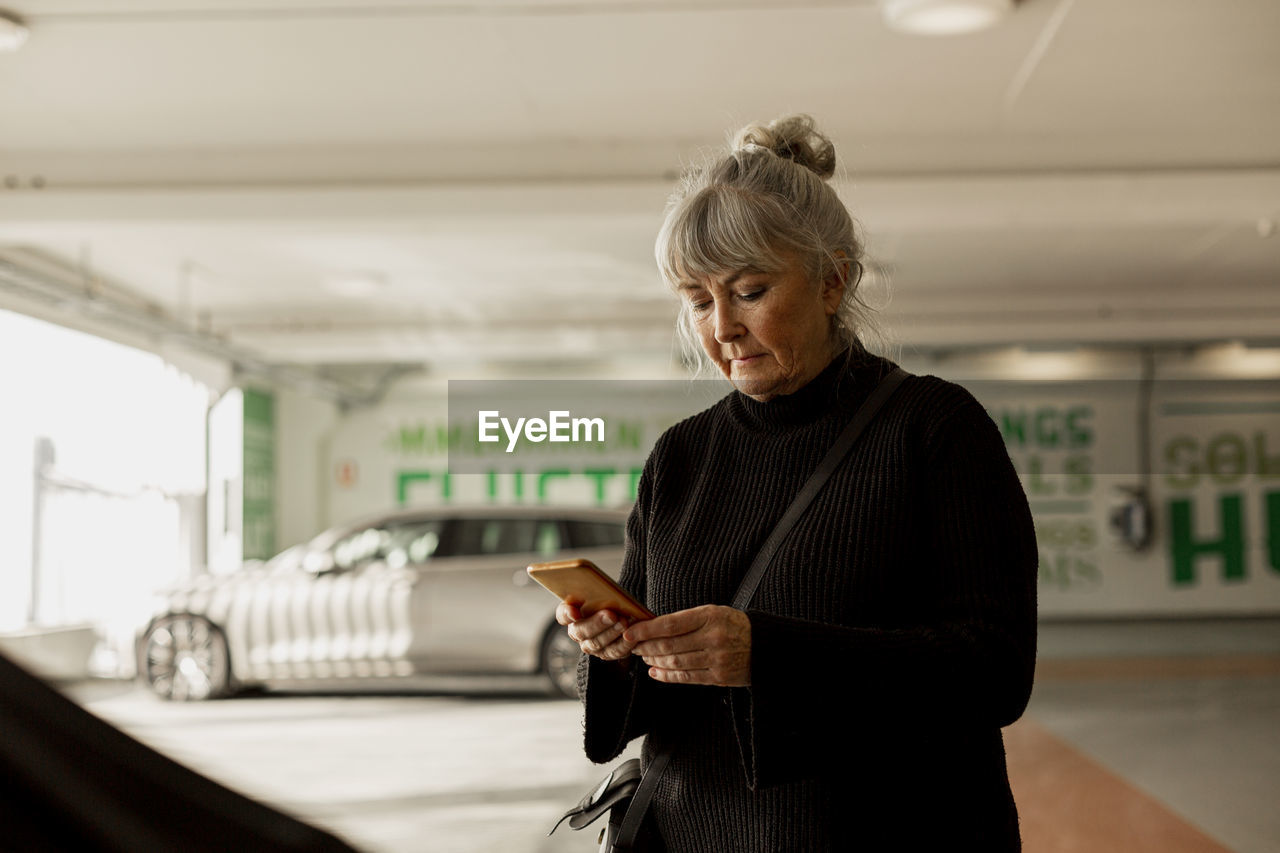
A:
[(834, 284)]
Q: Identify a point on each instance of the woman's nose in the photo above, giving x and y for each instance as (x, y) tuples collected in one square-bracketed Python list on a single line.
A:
[(727, 325)]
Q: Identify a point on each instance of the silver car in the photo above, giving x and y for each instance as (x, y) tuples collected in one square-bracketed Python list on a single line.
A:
[(379, 601)]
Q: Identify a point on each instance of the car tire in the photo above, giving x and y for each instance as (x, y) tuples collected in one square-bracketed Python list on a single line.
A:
[(560, 661), (184, 659)]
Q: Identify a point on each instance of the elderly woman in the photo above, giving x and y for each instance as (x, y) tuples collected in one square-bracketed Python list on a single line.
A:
[(857, 703)]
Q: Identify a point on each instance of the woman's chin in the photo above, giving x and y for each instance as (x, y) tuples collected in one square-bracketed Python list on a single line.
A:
[(760, 390)]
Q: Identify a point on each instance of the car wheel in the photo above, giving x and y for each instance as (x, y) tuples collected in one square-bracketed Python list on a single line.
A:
[(560, 661), (185, 659)]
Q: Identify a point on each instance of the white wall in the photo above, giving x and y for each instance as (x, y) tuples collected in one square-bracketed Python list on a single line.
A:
[(303, 426)]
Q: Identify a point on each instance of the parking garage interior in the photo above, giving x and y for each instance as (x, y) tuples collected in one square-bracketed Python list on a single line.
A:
[(255, 255)]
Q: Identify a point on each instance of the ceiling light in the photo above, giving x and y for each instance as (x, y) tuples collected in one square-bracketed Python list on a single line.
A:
[(943, 17), (356, 284), (13, 33)]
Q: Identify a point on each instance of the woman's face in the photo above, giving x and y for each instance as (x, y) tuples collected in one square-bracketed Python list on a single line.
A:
[(769, 333)]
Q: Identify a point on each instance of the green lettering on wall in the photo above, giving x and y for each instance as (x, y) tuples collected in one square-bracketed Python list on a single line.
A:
[(1079, 469), (1068, 572), (1228, 458), (412, 439), (1180, 454), (1013, 426), (1186, 549), (1036, 484), (629, 434), (546, 477), (1079, 434), (453, 437), (258, 520), (423, 439), (633, 485), (1273, 530), (406, 478), (600, 476), (1088, 572), (1047, 427), (1268, 466)]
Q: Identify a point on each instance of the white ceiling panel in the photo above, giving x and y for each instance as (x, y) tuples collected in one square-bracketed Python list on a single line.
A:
[(1087, 170)]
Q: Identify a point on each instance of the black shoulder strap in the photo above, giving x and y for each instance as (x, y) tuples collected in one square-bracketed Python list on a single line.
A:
[(630, 828), (818, 479)]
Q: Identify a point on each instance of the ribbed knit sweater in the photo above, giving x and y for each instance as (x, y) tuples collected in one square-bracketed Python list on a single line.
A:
[(892, 638)]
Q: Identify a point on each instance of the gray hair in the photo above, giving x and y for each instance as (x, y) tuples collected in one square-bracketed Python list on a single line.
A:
[(767, 198)]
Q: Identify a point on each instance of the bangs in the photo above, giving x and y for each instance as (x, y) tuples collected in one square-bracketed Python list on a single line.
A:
[(721, 230)]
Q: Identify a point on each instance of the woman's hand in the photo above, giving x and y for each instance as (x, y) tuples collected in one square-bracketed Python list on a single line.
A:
[(600, 634), (710, 644)]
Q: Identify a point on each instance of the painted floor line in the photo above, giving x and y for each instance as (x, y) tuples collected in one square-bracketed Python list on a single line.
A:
[(1069, 803), (1208, 666)]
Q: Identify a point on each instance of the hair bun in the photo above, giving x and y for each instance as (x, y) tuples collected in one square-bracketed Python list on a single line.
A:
[(792, 138)]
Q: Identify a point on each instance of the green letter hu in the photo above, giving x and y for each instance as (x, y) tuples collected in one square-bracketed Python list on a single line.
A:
[(1273, 530), (1230, 545)]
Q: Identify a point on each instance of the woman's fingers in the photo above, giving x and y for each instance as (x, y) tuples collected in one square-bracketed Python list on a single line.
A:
[(702, 645), (673, 645), (584, 629), (597, 643), (682, 676), (600, 634), (671, 624), (700, 659), (724, 673), (567, 614), (619, 649)]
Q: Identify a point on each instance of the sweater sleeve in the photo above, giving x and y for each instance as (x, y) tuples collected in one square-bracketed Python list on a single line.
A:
[(615, 694), (822, 692)]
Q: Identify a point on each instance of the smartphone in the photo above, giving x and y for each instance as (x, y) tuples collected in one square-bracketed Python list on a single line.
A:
[(581, 582)]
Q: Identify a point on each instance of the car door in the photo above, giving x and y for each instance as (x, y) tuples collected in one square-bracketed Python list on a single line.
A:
[(345, 611), (269, 626), (598, 540), (484, 613)]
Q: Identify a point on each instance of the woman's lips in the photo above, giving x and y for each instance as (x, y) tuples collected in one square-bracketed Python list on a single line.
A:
[(746, 359)]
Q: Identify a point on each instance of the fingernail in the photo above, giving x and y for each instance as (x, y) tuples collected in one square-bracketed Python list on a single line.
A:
[(607, 618)]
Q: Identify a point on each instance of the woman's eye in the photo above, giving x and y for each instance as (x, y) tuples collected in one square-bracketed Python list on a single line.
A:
[(751, 295), (699, 306)]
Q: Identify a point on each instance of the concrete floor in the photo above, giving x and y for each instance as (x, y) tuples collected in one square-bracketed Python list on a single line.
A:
[(388, 773), (1207, 748), (1193, 750)]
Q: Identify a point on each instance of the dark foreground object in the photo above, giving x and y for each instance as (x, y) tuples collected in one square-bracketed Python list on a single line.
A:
[(69, 781)]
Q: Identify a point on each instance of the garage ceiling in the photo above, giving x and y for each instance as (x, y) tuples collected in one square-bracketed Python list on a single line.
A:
[(1086, 171)]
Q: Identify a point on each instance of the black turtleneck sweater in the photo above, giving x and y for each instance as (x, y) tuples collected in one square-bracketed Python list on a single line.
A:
[(891, 639)]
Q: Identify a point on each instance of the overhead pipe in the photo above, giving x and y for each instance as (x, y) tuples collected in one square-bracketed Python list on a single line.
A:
[(63, 291)]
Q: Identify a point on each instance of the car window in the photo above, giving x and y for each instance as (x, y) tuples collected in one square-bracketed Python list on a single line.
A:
[(396, 543), (594, 534), (474, 537), (547, 541), (287, 560)]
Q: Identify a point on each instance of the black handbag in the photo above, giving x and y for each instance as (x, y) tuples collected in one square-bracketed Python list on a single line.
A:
[(625, 793), (612, 796)]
